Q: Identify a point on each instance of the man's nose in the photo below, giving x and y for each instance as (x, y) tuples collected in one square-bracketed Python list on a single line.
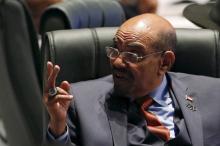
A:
[(119, 62)]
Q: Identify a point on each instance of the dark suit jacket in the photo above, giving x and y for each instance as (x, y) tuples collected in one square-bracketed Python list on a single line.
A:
[(97, 118)]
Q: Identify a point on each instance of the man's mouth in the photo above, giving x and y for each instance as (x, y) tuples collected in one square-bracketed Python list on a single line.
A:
[(120, 75)]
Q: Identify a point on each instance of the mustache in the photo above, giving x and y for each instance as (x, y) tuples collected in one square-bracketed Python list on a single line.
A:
[(121, 70), (116, 70)]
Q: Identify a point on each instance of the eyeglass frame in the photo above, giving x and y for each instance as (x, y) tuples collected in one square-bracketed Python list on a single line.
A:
[(138, 58)]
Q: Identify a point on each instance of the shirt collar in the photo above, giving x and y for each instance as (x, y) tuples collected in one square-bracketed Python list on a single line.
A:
[(160, 94)]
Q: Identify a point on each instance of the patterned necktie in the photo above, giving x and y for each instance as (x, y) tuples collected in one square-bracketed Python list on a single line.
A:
[(153, 124)]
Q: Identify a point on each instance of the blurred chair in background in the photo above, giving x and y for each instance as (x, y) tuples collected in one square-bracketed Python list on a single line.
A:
[(172, 10), (101, 13), (20, 98), (37, 7), (73, 14), (205, 16)]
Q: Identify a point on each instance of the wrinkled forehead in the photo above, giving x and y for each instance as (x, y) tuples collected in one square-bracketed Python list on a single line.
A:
[(133, 30), (134, 33)]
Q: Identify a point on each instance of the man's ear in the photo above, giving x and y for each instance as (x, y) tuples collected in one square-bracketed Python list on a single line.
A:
[(167, 62)]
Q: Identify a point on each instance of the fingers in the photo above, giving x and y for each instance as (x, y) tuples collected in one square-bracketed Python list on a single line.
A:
[(49, 68), (65, 86), (53, 71), (60, 91), (60, 99), (53, 76)]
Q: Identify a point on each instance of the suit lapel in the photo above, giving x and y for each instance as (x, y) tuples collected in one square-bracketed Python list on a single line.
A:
[(116, 109), (188, 105)]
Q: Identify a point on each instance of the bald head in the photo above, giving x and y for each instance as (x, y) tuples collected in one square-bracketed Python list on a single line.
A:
[(157, 31)]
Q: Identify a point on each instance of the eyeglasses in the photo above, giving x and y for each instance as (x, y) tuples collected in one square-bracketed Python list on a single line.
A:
[(128, 57)]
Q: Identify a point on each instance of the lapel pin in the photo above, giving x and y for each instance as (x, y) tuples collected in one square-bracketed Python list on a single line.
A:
[(194, 108), (191, 106), (189, 98)]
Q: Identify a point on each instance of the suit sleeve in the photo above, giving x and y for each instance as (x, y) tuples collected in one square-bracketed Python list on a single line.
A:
[(73, 126)]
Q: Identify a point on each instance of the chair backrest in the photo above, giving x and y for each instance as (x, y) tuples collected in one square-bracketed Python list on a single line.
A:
[(20, 94), (198, 52), (71, 14), (81, 53)]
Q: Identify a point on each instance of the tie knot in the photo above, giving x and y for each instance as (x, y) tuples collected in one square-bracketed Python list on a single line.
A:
[(146, 102)]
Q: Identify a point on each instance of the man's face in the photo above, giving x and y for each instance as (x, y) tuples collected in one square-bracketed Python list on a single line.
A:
[(135, 79)]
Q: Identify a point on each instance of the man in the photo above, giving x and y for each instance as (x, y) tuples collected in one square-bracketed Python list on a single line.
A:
[(141, 104)]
